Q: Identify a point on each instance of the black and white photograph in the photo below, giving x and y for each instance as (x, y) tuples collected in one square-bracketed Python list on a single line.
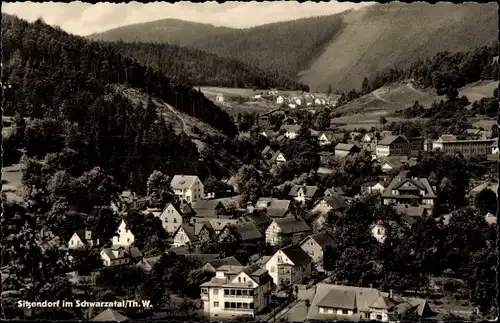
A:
[(274, 161)]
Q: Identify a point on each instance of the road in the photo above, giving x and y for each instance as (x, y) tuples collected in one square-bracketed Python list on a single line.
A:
[(376, 93), (411, 87)]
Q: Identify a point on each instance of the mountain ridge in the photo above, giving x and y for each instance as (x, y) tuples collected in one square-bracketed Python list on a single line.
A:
[(340, 50)]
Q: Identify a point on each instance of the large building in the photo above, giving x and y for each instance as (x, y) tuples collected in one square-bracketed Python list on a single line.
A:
[(188, 188), (394, 146), (410, 191), (468, 148), (236, 291)]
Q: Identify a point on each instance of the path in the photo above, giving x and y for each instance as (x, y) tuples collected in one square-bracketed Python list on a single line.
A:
[(411, 87), (376, 93)]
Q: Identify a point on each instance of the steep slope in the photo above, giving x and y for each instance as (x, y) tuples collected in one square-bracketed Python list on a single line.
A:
[(394, 35), (202, 68), (172, 31), (90, 107)]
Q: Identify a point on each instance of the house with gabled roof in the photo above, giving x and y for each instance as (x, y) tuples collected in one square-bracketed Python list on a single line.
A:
[(119, 255), (267, 152), (333, 202), (124, 237), (303, 193), (213, 265), (403, 190), (277, 158), (147, 263), (326, 138), (289, 265), (238, 292), (275, 208), (372, 187), (393, 163), (393, 146), (192, 234), (247, 232), (188, 187), (343, 150), (207, 208), (315, 245), (291, 130), (175, 214), (83, 239), (368, 137), (291, 227)]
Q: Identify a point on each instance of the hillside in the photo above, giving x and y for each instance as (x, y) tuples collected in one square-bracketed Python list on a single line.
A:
[(91, 107), (394, 35), (201, 68), (340, 49), (172, 31)]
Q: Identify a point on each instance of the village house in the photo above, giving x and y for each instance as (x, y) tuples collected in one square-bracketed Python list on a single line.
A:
[(393, 146), (468, 148), (280, 100), (122, 250), (275, 208), (219, 97), (373, 187), (187, 187), (315, 246), (333, 191), (368, 137), (125, 237), (343, 150), (288, 227), (277, 159), (215, 264), (207, 209), (291, 130), (257, 217), (326, 138), (268, 134), (247, 232), (413, 191), (244, 294), (83, 239), (289, 265), (333, 202), (303, 193), (390, 164), (336, 302), (175, 214), (192, 234), (147, 263)]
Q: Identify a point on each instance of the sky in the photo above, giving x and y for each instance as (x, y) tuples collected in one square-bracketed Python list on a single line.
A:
[(84, 19)]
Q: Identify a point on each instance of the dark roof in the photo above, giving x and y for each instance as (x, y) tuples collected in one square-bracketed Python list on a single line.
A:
[(400, 183), (229, 261), (201, 258), (259, 218), (296, 254), (248, 231), (206, 205), (346, 147), (292, 225), (342, 299), (309, 191), (336, 202), (323, 239), (387, 140), (189, 230)]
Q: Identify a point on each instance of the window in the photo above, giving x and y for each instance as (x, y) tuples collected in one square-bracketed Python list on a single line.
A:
[(367, 315), (226, 292), (250, 306), (204, 291), (238, 292), (216, 291), (244, 292), (175, 220), (250, 293), (216, 304), (128, 239), (379, 317), (244, 279), (321, 309), (345, 311), (239, 279), (273, 269), (227, 305)]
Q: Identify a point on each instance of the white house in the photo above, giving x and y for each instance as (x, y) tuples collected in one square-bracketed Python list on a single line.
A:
[(82, 239), (219, 97), (188, 187), (334, 202), (379, 231), (289, 265), (298, 101), (315, 245), (373, 187), (118, 255), (278, 158), (292, 105), (280, 100), (291, 131), (368, 137), (173, 216), (317, 101), (229, 295), (125, 237)]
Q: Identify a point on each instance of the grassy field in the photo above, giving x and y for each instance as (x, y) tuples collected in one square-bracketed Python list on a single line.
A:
[(366, 111), (11, 182)]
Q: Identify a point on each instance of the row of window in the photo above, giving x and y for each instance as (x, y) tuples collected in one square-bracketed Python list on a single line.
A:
[(237, 305)]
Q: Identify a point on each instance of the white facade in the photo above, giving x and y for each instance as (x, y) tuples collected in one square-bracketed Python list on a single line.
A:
[(335, 311), (290, 134), (366, 138), (75, 242), (280, 158), (181, 238), (190, 188), (494, 150), (219, 98), (171, 218), (280, 258), (292, 105), (386, 167), (317, 101), (280, 100), (313, 249), (322, 207), (235, 297), (273, 234), (382, 151), (323, 140), (120, 258), (301, 198), (379, 232), (125, 238)]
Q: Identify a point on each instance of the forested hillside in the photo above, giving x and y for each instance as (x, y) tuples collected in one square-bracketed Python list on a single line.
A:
[(286, 47), (202, 68), (172, 31), (65, 84)]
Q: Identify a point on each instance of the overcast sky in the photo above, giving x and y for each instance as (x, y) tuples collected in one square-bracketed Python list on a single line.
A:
[(83, 18)]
